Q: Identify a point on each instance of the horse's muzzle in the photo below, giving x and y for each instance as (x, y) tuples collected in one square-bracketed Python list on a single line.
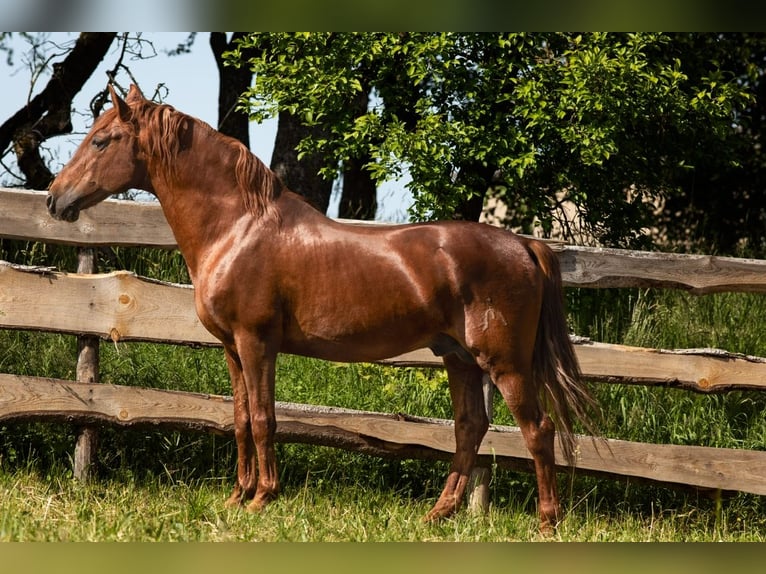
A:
[(70, 212)]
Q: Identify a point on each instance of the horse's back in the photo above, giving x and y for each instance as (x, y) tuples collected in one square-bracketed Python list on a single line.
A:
[(378, 291), (477, 251)]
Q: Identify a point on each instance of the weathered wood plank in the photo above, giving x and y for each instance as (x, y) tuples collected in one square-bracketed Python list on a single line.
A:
[(123, 307), (34, 398), (117, 306), (28, 398), (88, 361), (23, 215), (699, 274), (699, 370)]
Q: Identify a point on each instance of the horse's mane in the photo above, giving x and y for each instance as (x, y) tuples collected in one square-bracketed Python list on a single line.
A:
[(169, 132)]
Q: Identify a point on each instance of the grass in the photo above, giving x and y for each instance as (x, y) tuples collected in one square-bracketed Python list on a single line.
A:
[(55, 507), (167, 486)]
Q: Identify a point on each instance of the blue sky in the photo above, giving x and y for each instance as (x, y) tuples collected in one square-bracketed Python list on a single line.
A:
[(191, 81)]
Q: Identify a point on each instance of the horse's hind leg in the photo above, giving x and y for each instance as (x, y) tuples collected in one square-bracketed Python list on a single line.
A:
[(471, 423), (538, 431), (244, 489)]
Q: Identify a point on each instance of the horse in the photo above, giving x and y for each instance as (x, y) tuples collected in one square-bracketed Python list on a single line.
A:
[(271, 275)]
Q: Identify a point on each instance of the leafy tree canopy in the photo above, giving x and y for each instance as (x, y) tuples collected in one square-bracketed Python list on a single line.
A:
[(612, 123)]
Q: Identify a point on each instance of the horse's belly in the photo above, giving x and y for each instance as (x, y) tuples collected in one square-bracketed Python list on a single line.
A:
[(346, 344), (347, 354)]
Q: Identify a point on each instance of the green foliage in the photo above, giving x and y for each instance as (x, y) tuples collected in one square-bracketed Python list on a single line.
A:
[(366, 387), (610, 122)]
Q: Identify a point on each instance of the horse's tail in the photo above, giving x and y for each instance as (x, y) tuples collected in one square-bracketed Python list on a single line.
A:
[(555, 369)]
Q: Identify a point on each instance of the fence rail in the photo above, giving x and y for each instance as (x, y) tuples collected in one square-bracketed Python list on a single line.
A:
[(129, 223), (121, 306), (124, 307), (387, 435)]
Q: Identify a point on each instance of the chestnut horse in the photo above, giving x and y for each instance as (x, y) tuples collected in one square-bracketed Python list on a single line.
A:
[(272, 274)]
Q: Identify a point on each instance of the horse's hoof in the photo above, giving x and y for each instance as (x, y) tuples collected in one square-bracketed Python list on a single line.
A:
[(547, 530), (254, 507), (259, 503), (549, 520), (438, 512), (430, 517)]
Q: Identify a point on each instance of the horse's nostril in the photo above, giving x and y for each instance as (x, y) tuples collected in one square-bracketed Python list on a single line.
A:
[(49, 201)]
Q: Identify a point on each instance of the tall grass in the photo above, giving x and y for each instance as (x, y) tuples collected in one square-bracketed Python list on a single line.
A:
[(161, 485), (53, 507)]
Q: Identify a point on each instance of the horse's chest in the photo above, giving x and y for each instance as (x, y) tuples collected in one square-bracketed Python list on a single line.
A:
[(233, 301), (213, 314)]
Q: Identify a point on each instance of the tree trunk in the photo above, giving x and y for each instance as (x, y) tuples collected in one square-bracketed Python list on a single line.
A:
[(479, 178), (301, 176), (232, 82), (359, 197)]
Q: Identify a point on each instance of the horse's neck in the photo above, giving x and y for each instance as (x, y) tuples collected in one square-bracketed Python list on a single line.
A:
[(203, 207), (207, 209)]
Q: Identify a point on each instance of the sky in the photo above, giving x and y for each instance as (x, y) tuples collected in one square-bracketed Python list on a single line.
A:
[(191, 82)]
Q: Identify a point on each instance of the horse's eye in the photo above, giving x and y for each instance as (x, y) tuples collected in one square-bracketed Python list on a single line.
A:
[(100, 143)]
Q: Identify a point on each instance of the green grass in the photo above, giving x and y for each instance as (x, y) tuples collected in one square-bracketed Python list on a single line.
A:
[(160, 485), (54, 507), (151, 484)]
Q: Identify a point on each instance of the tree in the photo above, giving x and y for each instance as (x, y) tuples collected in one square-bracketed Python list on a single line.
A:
[(637, 131), (721, 202), (233, 82), (48, 114), (607, 122), (311, 171)]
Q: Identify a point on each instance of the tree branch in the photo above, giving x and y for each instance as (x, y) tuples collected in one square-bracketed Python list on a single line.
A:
[(49, 113)]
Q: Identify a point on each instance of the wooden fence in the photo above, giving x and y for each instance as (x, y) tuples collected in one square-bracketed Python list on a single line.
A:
[(121, 306)]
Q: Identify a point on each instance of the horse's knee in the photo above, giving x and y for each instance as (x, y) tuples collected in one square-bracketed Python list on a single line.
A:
[(481, 422), (470, 430), (263, 426), (481, 427), (242, 429), (477, 421)]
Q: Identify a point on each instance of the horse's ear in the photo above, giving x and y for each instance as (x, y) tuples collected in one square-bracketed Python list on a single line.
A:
[(134, 94), (119, 104)]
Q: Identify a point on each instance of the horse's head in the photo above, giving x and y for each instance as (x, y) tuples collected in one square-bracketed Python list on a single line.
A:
[(106, 162)]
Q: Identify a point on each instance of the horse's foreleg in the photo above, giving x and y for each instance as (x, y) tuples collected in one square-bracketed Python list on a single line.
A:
[(244, 489), (471, 423), (259, 370), (538, 431)]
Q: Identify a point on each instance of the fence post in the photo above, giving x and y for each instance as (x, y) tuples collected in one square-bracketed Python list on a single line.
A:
[(87, 372), (478, 498)]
